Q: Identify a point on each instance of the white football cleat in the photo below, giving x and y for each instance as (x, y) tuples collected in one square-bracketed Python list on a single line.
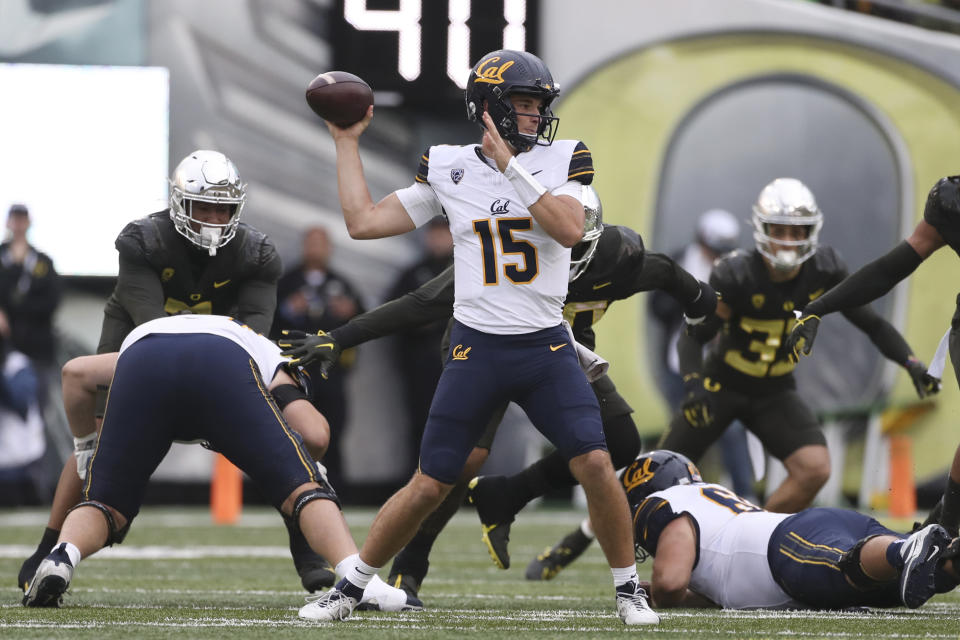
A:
[(330, 606), (634, 608), (51, 580), (379, 596)]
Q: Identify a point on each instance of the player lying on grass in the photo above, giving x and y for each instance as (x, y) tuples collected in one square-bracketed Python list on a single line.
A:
[(712, 548), (198, 378)]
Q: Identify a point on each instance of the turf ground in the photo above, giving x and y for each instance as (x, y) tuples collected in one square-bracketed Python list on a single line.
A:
[(177, 575)]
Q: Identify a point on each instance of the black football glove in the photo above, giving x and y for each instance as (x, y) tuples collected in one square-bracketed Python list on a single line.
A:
[(800, 340), (697, 407), (307, 348), (923, 382)]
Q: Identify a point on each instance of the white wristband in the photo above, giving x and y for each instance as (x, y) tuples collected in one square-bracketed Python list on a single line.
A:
[(523, 183)]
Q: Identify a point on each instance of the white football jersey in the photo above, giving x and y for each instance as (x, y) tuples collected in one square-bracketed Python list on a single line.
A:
[(732, 568), (510, 275), (263, 352)]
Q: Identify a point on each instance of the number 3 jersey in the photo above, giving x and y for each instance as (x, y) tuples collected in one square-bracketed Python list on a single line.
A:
[(510, 275), (731, 566), (750, 356)]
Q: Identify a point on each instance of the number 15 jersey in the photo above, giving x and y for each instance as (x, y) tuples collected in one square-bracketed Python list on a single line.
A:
[(510, 275)]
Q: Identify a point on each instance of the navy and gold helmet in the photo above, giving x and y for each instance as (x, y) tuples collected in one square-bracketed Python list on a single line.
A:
[(655, 471), (497, 76)]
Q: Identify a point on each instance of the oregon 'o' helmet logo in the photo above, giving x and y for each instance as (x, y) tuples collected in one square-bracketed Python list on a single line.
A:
[(496, 77), (655, 471)]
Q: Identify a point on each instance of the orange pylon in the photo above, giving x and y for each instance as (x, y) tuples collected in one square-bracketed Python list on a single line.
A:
[(226, 492), (903, 489)]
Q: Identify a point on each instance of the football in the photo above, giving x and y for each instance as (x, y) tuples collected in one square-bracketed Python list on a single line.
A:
[(339, 97)]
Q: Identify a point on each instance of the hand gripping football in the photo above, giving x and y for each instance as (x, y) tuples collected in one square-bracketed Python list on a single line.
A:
[(339, 97)]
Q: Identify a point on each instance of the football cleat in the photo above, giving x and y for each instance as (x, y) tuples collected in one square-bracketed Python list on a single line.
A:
[(921, 553), (315, 572), (50, 581), (495, 528), (405, 582), (548, 564), (379, 596), (330, 606), (633, 606)]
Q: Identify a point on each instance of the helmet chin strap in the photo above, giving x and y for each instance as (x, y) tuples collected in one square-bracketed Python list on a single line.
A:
[(211, 237)]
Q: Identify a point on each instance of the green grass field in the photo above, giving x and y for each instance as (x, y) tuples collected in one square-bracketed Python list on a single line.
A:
[(177, 575)]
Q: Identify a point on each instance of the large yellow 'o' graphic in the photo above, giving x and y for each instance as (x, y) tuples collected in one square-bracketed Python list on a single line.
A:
[(628, 110)]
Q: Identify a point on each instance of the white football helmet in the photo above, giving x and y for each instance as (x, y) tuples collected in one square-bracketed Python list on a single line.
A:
[(583, 251), (786, 201), (206, 176)]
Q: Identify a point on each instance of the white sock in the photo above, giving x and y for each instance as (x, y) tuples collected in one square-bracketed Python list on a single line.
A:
[(361, 573), (625, 575), (346, 564), (586, 529), (72, 552)]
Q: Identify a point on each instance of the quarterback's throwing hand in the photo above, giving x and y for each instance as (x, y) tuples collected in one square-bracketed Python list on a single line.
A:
[(800, 340), (493, 145), (307, 348)]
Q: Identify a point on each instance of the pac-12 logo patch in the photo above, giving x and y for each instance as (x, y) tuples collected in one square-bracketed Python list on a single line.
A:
[(456, 175)]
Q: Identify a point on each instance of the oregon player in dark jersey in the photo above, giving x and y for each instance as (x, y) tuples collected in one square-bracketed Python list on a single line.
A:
[(609, 264), (195, 257), (939, 227), (747, 374)]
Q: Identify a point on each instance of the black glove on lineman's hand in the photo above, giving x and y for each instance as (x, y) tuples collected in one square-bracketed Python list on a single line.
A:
[(307, 348), (697, 408), (923, 382), (800, 340)]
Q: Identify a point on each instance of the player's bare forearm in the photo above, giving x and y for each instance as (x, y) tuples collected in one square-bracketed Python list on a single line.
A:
[(355, 200), (560, 216), (79, 380)]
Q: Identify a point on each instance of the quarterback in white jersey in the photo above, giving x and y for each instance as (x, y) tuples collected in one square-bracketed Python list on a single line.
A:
[(713, 548), (511, 275), (514, 207)]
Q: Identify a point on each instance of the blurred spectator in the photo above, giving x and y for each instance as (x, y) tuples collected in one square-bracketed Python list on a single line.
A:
[(717, 233), (29, 292), (311, 297), (418, 351), (22, 441)]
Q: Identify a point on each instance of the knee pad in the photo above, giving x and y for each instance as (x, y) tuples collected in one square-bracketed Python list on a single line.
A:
[(623, 440), (849, 565), (325, 492), (114, 535)]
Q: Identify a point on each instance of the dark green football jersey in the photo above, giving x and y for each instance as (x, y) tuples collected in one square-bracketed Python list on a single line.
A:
[(749, 355)]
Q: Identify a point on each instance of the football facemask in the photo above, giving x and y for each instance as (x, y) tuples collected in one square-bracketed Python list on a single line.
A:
[(786, 201), (496, 77), (206, 176), (583, 251)]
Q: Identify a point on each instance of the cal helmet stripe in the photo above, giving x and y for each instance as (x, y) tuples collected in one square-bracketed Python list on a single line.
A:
[(581, 165), (424, 167)]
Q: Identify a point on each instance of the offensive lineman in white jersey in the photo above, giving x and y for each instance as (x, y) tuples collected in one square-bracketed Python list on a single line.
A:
[(713, 548), (193, 378), (514, 208)]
